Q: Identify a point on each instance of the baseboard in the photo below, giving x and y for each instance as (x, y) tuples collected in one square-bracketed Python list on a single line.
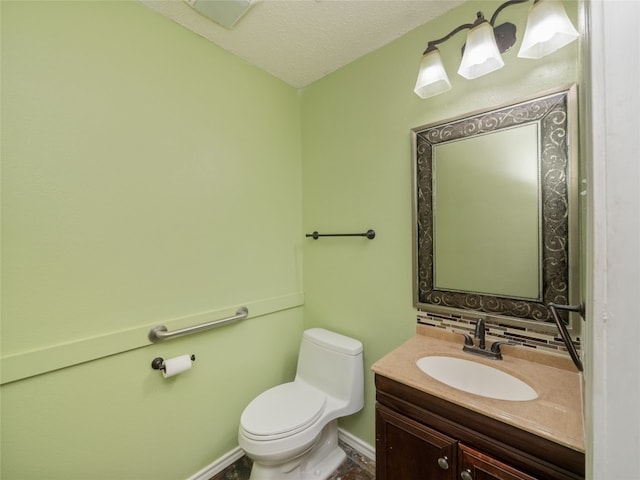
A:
[(218, 465), (357, 444), (229, 458)]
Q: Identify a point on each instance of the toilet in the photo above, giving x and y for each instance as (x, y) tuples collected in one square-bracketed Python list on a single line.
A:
[(291, 431)]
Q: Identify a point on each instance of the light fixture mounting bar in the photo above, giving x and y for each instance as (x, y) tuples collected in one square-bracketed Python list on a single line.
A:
[(505, 35), (502, 7), (480, 17), (432, 44)]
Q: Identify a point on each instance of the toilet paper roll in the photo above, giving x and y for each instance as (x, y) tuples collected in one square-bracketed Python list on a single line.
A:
[(176, 365)]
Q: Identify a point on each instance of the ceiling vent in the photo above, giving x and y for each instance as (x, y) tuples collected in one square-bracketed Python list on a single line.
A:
[(223, 12)]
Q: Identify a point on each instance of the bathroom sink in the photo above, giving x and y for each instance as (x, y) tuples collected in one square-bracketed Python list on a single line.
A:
[(477, 378)]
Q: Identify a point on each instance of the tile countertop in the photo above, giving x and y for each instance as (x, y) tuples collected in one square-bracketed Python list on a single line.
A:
[(555, 415)]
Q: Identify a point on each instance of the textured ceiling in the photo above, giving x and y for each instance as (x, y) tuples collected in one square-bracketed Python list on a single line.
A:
[(301, 41)]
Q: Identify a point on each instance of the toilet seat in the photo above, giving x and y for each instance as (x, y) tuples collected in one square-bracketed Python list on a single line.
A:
[(282, 411)]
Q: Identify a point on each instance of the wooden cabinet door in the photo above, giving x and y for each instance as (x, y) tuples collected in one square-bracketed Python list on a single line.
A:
[(474, 465), (408, 450)]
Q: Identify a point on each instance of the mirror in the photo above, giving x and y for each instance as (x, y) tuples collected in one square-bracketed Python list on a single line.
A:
[(495, 227)]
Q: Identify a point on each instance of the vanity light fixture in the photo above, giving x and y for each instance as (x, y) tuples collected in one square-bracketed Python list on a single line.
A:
[(481, 54), (548, 29), (432, 78)]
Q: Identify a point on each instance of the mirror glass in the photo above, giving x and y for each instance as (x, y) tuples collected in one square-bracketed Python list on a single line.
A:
[(493, 211)]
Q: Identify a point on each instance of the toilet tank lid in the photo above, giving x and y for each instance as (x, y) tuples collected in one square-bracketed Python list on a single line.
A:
[(333, 341)]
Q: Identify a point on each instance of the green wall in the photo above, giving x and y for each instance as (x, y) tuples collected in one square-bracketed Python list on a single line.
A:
[(356, 174), (150, 177), (147, 177)]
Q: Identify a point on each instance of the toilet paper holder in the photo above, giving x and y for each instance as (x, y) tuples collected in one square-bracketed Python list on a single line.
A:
[(158, 362)]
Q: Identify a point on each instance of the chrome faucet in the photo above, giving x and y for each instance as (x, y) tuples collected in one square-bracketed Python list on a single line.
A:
[(481, 349)]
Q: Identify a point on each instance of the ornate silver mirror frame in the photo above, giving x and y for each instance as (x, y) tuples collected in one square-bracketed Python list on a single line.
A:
[(555, 114)]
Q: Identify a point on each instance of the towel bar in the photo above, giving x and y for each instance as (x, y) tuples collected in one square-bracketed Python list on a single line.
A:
[(159, 333), (566, 338), (370, 234)]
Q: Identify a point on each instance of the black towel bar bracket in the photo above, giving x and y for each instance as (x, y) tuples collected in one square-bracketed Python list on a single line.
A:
[(370, 234)]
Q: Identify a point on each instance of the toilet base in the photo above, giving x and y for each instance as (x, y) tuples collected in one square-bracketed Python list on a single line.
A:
[(318, 463), (326, 467)]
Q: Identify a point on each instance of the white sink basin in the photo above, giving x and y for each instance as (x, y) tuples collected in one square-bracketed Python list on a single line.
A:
[(477, 378)]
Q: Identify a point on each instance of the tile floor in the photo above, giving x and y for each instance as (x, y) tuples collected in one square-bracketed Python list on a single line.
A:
[(355, 467)]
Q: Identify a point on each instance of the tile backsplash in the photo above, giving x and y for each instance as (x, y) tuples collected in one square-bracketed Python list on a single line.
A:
[(527, 337)]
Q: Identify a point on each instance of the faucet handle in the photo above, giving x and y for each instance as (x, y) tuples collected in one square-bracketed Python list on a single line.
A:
[(468, 340), (495, 346)]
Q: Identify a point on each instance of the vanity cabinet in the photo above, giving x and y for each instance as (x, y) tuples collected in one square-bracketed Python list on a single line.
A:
[(420, 436), (478, 466), (406, 449)]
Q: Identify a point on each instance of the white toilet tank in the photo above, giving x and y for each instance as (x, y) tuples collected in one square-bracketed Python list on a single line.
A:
[(333, 364)]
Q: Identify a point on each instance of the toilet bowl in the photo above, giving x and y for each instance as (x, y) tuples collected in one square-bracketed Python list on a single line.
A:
[(290, 431)]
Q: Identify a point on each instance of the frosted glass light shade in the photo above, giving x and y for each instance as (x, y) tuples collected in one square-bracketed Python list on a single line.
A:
[(481, 54), (548, 29), (432, 78)]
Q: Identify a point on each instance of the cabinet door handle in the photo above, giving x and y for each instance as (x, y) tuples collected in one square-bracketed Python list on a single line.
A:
[(443, 462), (466, 475)]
